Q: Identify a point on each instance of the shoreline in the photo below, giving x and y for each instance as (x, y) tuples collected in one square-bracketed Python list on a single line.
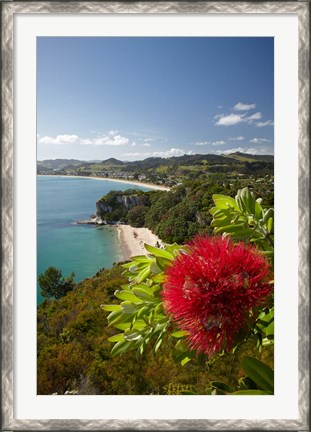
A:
[(135, 183), (132, 240)]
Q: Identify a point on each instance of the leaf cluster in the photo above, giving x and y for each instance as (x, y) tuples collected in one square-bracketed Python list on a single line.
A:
[(244, 218), (140, 315), (258, 381)]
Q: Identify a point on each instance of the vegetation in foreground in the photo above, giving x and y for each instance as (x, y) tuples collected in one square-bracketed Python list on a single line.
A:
[(74, 351)]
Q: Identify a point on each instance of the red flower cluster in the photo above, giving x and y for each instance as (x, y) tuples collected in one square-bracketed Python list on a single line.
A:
[(211, 290)]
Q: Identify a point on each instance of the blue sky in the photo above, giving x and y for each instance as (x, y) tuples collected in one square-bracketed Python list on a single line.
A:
[(132, 98)]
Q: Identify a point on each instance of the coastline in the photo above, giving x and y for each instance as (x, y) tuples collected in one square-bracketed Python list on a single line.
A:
[(132, 240), (135, 183)]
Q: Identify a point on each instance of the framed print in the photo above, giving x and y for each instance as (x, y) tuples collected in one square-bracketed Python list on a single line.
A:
[(153, 153)]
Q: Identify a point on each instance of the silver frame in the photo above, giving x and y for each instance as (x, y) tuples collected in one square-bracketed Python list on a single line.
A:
[(9, 8)]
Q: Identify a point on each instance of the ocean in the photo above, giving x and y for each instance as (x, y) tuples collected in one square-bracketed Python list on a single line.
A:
[(61, 243)]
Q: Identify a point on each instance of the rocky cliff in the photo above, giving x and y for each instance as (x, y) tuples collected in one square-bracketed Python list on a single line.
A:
[(113, 207)]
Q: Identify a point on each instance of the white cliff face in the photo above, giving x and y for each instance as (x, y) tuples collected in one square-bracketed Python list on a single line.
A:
[(130, 201), (125, 201)]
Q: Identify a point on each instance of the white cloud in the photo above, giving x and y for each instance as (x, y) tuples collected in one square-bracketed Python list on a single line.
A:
[(163, 154), (216, 143), (233, 119), (111, 140), (255, 116), (113, 132), (259, 140), (251, 150), (265, 123), (229, 120), (239, 138), (116, 140), (133, 144), (240, 106), (147, 144), (146, 140), (202, 143), (86, 141), (59, 139), (213, 143)]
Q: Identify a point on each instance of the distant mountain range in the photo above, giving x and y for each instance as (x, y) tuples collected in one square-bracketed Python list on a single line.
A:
[(155, 162)]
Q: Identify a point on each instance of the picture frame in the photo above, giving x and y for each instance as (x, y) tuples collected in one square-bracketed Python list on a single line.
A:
[(9, 11)]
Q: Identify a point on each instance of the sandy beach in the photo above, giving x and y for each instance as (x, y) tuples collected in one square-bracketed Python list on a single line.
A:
[(130, 182), (133, 239)]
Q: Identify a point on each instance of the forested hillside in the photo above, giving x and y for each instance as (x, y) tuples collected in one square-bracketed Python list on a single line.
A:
[(177, 215), (165, 171)]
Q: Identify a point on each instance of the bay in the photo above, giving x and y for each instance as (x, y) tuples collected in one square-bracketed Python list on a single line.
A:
[(61, 243)]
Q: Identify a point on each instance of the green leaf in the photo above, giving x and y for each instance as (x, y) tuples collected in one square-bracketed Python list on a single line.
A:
[(120, 347), (158, 343), (133, 268), (159, 252), (270, 225), (143, 294), (143, 275), (155, 269), (158, 278), (224, 215), (258, 210), (126, 295), (116, 338), (138, 324), (250, 392), (173, 249), (185, 360), (162, 263), (111, 308), (268, 214), (114, 317), (132, 335), (260, 373), (224, 201), (129, 307), (228, 228), (221, 386), (248, 200), (179, 334), (127, 265), (236, 231), (265, 323), (141, 259)]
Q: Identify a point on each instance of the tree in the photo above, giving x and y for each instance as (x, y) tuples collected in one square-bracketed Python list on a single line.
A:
[(136, 216), (53, 284)]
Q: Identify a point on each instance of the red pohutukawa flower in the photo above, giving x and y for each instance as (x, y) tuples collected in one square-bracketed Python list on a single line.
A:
[(211, 290)]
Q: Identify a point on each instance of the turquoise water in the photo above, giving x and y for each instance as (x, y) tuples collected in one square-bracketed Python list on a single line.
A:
[(61, 243)]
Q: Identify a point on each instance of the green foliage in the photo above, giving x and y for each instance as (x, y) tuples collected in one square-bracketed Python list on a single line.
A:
[(261, 374), (74, 342), (259, 381), (53, 284), (140, 315), (136, 216), (74, 351), (264, 328), (244, 218)]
